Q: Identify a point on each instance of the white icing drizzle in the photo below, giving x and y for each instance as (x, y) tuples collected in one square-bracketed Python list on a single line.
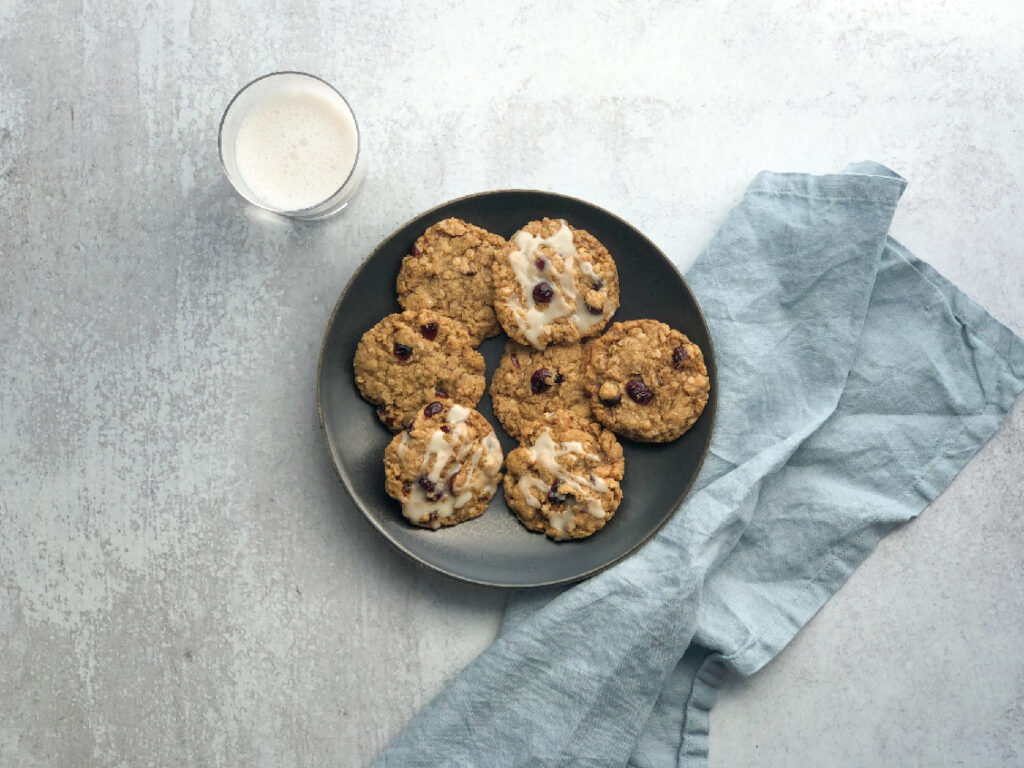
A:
[(588, 269), (526, 482), (481, 475), (562, 521), (574, 446), (403, 446), (463, 498), (457, 414), (595, 509), (566, 301), (439, 448), (544, 454)]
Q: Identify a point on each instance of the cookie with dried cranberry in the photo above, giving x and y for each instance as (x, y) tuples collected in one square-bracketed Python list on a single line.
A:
[(555, 285), (564, 478), (529, 383), (448, 270), (647, 381), (412, 358), (445, 468)]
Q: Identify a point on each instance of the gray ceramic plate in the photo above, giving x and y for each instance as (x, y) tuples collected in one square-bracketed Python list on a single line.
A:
[(495, 549)]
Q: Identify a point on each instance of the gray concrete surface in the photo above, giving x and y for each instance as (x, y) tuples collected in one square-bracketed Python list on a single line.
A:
[(182, 582)]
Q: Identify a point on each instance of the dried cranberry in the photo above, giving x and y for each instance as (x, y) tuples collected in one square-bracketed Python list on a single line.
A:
[(429, 331), (559, 378), (431, 491), (439, 391), (432, 409), (540, 264), (451, 483), (446, 428), (598, 283), (540, 381), (610, 402), (554, 496), (382, 413), (414, 251), (543, 293), (515, 361), (406, 488), (402, 351), (595, 310), (469, 274), (679, 354), (639, 391)]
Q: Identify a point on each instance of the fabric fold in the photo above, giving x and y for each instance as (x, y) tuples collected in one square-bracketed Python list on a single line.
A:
[(854, 383), (956, 380), (929, 388)]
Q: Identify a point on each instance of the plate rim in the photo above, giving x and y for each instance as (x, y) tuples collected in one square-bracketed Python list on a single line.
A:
[(341, 474)]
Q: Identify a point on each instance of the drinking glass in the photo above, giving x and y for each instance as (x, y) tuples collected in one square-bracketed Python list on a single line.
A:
[(263, 91)]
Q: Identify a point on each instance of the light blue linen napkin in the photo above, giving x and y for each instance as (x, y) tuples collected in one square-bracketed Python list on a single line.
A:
[(854, 383)]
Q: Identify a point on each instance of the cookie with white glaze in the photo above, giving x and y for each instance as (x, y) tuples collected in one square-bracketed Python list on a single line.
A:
[(564, 478), (529, 383), (647, 381), (555, 285), (412, 358), (449, 271), (445, 468)]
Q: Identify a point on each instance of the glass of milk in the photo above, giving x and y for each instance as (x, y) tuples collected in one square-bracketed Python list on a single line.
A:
[(289, 143)]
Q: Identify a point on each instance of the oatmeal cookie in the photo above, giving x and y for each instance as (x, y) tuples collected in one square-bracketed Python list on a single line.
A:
[(554, 285), (647, 381), (564, 478), (529, 383), (445, 467), (448, 270), (411, 358)]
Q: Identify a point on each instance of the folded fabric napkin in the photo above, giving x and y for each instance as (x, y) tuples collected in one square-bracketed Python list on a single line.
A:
[(855, 382)]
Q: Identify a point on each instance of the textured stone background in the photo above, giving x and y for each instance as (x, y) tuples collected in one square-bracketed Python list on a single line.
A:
[(182, 582)]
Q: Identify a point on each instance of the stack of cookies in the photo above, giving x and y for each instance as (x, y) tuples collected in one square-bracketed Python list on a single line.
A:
[(558, 390)]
